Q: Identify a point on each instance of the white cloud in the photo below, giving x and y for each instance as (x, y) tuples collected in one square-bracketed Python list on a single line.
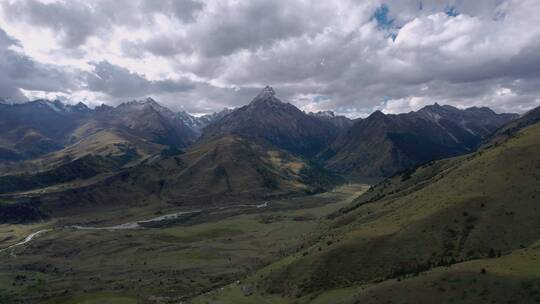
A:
[(395, 106), (205, 55)]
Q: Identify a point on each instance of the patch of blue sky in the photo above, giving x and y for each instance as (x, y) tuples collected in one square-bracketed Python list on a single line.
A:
[(385, 22), (451, 11), (321, 98), (382, 16)]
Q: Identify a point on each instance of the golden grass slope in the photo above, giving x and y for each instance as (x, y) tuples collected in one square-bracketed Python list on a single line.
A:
[(227, 168), (88, 139), (225, 171)]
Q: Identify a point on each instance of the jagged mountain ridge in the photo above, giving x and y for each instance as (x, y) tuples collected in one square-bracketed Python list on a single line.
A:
[(135, 131), (233, 166), (281, 124), (468, 212), (150, 120), (226, 171), (43, 143), (198, 123), (510, 129), (35, 128), (383, 144), (339, 121)]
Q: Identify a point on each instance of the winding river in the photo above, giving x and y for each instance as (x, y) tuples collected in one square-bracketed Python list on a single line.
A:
[(129, 225), (27, 239)]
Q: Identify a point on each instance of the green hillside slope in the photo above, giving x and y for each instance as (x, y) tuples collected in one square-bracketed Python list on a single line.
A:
[(461, 212)]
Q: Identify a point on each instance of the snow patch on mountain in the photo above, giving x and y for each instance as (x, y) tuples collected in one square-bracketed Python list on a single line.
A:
[(197, 124)]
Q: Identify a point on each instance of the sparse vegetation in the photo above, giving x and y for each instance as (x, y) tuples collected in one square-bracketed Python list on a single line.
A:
[(422, 228), (241, 217)]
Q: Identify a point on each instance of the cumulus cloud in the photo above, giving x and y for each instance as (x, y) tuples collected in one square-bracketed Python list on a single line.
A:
[(349, 56), (117, 81), (74, 22), (20, 71), (185, 10)]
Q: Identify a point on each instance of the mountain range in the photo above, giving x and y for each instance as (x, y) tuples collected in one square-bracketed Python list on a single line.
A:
[(267, 148), (33, 129), (441, 229), (384, 144), (280, 124), (266, 203), (198, 123)]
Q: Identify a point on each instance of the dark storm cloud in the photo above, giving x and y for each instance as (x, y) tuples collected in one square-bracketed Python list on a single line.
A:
[(351, 56), (228, 28), (6, 41), (76, 21), (120, 82), (73, 21), (165, 45), (255, 24), (20, 71), (184, 10)]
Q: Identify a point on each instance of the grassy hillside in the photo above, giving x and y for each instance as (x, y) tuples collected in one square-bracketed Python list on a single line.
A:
[(11, 212), (82, 168), (240, 167), (225, 171), (32, 129), (88, 139), (512, 278), (101, 151), (461, 212), (508, 130)]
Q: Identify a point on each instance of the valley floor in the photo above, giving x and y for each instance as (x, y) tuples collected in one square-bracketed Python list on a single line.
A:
[(164, 260)]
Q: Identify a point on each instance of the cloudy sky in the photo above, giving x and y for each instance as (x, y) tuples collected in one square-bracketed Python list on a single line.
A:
[(350, 56)]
